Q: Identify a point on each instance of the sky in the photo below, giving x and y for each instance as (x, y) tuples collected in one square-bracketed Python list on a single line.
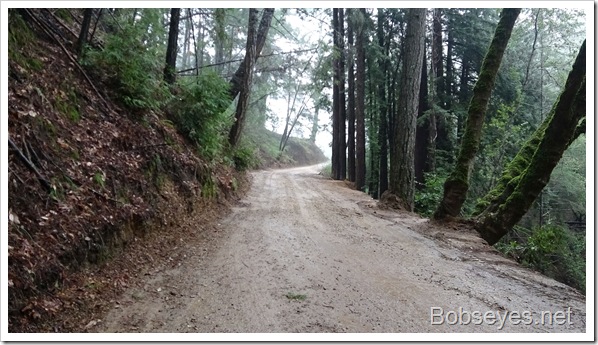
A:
[(312, 30)]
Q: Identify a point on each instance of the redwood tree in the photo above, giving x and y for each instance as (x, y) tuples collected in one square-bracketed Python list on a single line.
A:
[(351, 99), (360, 106), (171, 50), (382, 107), (335, 98), (402, 182), (342, 111)]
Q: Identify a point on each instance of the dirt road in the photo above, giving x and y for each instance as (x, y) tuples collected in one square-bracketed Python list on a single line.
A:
[(302, 253)]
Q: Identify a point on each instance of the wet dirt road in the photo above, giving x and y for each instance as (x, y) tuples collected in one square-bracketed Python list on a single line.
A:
[(302, 253)]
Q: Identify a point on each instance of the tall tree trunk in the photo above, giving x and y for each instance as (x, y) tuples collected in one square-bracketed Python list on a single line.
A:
[(372, 135), (565, 116), (187, 40), (342, 100), (202, 44), (314, 126), (437, 61), (457, 184), (402, 161), (171, 50), (236, 82), (441, 135), (250, 52), (219, 37), (335, 98), (351, 99), (448, 81), (463, 95), (382, 108), (84, 30), (360, 107), (422, 134)]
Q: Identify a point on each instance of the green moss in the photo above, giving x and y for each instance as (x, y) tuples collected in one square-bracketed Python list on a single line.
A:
[(512, 173), (67, 103), (20, 38)]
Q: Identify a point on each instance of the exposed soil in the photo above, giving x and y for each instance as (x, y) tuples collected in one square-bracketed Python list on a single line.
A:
[(302, 253)]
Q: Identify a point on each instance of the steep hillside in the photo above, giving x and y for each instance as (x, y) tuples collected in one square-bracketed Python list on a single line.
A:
[(298, 151), (89, 179)]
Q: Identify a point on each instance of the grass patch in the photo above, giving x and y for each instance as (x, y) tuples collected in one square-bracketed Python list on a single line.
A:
[(327, 171), (295, 297)]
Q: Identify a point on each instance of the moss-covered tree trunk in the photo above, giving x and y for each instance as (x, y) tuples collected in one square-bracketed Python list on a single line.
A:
[(511, 174), (457, 184), (562, 127), (402, 171)]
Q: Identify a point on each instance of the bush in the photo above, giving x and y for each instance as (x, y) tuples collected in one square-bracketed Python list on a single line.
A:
[(428, 197), (245, 158), (199, 112), (552, 250), (327, 171), (131, 67)]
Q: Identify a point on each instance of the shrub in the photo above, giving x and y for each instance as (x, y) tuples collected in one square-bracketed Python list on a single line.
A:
[(130, 63), (327, 171), (244, 158), (199, 112), (550, 249), (428, 197)]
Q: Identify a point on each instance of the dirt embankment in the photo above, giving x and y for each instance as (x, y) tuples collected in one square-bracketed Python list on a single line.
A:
[(302, 253), (89, 181)]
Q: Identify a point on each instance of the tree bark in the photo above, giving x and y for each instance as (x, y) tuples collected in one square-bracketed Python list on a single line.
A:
[(360, 161), (171, 50), (463, 95), (437, 61), (236, 82), (457, 184), (335, 98), (564, 117), (423, 149), (84, 30), (314, 126), (382, 108), (351, 100), (402, 182), (187, 40), (250, 52), (342, 100), (441, 136), (372, 135), (219, 37), (448, 81)]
